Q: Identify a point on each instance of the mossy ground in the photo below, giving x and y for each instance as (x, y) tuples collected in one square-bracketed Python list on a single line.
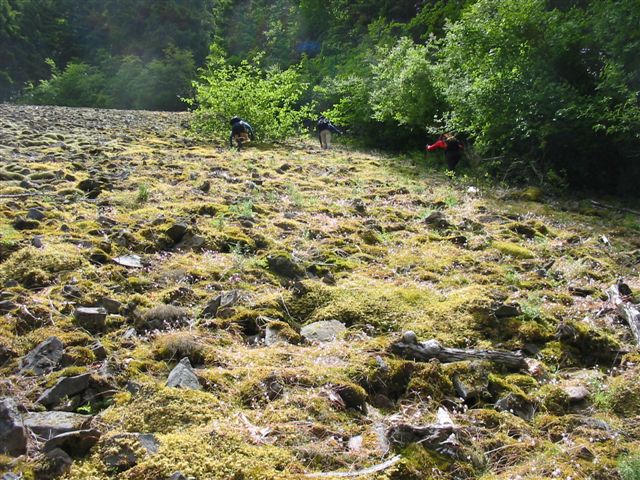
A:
[(351, 234)]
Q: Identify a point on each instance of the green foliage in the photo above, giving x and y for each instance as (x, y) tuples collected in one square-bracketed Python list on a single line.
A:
[(78, 85), (124, 82), (402, 87), (143, 193), (533, 83), (629, 467), (268, 98)]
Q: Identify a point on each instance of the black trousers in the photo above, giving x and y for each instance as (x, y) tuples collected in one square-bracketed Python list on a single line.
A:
[(452, 157)]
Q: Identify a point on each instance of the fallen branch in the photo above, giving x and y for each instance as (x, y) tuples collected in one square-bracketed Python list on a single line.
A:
[(410, 348), (22, 195), (611, 207), (358, 473), (619, 297)]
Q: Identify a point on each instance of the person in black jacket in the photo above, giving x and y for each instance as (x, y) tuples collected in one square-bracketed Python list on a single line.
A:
[(325, 129), (240, 132)]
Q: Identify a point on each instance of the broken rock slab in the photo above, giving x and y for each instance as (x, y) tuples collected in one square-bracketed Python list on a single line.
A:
[(76, 443), (51, 424), (324, 331), (13, 438), (223, 301), (64, 387), (183, 376), (44, 358)]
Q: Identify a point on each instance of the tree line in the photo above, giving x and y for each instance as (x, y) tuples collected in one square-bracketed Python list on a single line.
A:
[(543, 89)]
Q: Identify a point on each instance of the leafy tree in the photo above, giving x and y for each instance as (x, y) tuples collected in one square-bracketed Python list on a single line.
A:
[(77, 86), (529, 82), (403, 85)]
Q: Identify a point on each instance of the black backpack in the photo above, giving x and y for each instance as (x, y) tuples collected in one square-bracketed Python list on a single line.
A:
[(323, 124)]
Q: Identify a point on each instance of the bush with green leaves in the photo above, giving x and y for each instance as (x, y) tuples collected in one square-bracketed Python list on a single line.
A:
[(527, 81), (79, 85), (269, 98)]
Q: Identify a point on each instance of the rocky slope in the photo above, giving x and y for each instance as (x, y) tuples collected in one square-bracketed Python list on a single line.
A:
[(173, 309)]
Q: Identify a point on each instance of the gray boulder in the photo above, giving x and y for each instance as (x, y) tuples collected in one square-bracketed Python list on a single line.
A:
[(516, 405), (324, 331), (183, 376), (44, 358), (13, 438), (91, 318), (51, 424), (64, 387)]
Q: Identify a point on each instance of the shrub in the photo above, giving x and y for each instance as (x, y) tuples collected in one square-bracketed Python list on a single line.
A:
[(268, 98)]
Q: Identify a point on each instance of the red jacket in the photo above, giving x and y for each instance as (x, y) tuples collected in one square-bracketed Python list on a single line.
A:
[(437, 145)]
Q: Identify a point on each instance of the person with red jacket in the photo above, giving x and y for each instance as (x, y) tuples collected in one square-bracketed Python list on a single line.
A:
[(452, 149)]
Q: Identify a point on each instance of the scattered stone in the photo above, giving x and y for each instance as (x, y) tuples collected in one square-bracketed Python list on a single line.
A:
[(276, 332), (106, 221), (72, 292), (64, 387), (76, 443), (324, 331), (177, 231), (112, 307), (21, 223), (516, 405), (205, 187), (57, 463), (576, 393), (11, 476), (282, 265), (438, 220), (183, 376), (88, 185), (44, 358), (35, 214), (507, 310), (98, 350), (123, 451), (13, 438), (7, 306), (223, 301), (91, 318), (190, 241), (51, 424), (131, 261), (37, 241)]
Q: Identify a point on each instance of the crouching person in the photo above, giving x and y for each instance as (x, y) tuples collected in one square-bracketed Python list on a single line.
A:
[(241, 132)]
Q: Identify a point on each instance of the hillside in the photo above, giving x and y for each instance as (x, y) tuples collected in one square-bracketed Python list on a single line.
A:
[(127, 246)]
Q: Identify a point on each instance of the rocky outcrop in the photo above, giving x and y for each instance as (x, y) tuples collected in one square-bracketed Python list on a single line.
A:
[(13, 438), (44, 358)]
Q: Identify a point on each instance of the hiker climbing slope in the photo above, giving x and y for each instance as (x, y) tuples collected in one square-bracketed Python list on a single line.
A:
[(325, 129), (452, 149), (241, 131)]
